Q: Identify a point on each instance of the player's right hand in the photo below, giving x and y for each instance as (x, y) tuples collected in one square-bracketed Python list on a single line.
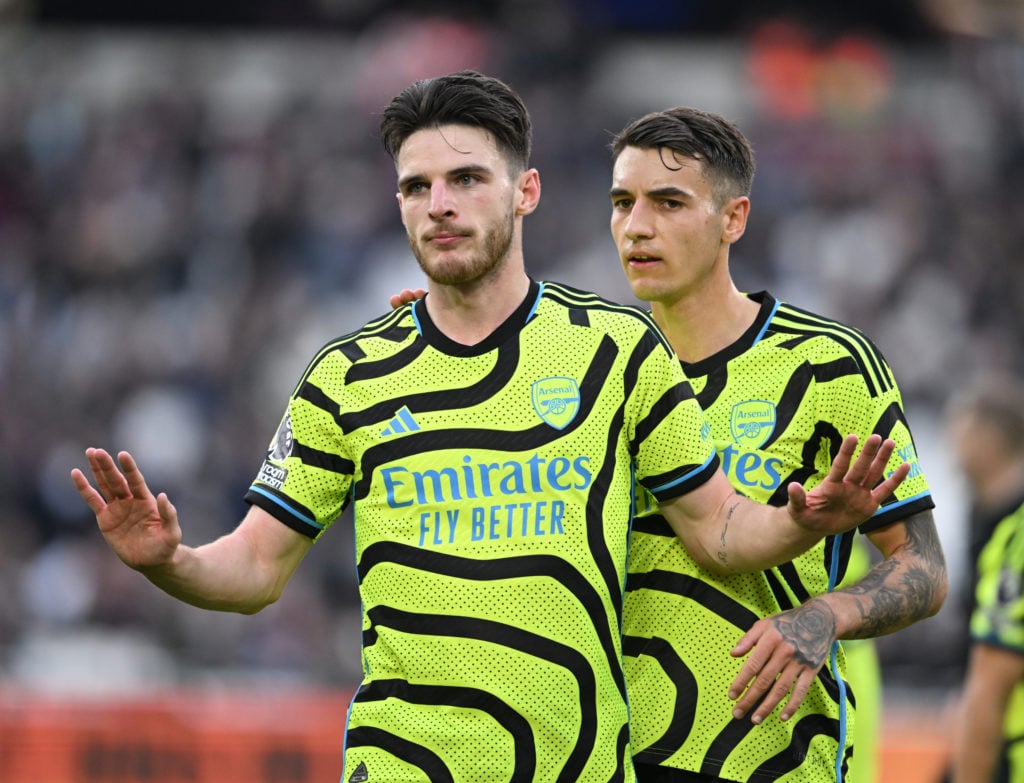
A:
[(142, 529)]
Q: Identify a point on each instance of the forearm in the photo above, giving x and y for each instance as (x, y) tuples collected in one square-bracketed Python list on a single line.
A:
[(750, 537), (979, 736), (217, 576), (908, 586), (243, 571)]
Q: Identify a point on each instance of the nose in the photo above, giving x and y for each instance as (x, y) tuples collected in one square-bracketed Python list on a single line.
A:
[(441, 204), (638, 224)]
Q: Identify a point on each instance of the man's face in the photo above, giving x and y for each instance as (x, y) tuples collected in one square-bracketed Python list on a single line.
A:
[(666, 222), (458, 202)]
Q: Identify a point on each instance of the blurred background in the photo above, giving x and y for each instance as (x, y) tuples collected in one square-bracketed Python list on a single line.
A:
[(193, 199)]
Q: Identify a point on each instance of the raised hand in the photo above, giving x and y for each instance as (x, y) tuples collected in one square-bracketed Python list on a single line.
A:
[(142, 529), (789, 649), (848, 495)]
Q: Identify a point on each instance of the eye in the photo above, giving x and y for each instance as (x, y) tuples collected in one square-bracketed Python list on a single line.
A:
[(622, 203), (414, 188), (467, 179)]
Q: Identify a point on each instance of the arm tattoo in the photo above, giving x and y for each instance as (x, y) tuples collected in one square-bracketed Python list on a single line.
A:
[(902, 589), (723, 549)]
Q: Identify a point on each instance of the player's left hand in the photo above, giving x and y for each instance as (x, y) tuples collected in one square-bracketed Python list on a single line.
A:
[(789, 650), (405, 296), (849, 494)]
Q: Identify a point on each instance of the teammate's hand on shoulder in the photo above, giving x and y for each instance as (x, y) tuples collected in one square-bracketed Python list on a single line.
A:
[(405, 296)]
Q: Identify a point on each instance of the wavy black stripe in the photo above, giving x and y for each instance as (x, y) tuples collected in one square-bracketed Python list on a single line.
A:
[(525, 754), (516, 567), (607, 565), (805, 325), (483, 438), (795, 754), (574, 297), (384, 324), (694, 588), (440, 399), (433, 767), (684, 708), (527, 642)]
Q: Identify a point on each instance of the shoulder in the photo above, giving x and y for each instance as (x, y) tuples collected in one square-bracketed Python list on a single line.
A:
[(826, 339), (586, 308), (376, 339)]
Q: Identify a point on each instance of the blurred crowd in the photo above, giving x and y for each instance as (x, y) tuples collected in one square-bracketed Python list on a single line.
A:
[(185, 218)]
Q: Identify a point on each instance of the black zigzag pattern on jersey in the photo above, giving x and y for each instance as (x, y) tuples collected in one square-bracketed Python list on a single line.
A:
[(486, 387), (889, 418), (469, 437), (379, 368), (653, 524), (434, 769), (494, 569), (387, 326), (807, 325), (606, 564), (686, 688), (574, 298), (695, 588), (525, 764), (621, 743), (514, 638), (795, 754)]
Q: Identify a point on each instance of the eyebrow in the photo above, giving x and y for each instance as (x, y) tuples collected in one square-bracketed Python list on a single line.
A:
[(457, 172), (667, 191)]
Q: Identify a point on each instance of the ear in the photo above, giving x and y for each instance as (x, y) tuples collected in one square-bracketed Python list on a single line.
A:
[(398, 197), (734, 214), (527, 192)]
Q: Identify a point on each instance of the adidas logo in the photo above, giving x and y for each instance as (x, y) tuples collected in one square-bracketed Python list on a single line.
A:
[(401, 424), (360, 775)]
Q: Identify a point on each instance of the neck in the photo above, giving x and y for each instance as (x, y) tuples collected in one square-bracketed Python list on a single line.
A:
[(470, 312), (701, 323)]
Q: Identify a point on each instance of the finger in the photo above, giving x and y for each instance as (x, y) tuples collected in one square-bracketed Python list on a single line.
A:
[(109, 481), (762, 676), (133, 476), (746, 643), (168, 513), (887, 487), (879, 459), (756, 633), (751, 698), (796, 696), (866, 462), (797, 497), (781, 688), (92, 498), (841, 464)]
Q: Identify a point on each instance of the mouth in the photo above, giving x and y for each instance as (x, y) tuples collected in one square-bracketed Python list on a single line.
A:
[(444, 238), (642, 259)]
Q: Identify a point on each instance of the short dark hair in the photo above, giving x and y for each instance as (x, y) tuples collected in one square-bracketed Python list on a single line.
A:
[(725, 152), (461, 98)]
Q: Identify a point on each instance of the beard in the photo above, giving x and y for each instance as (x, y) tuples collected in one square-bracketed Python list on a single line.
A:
[(474, 264)]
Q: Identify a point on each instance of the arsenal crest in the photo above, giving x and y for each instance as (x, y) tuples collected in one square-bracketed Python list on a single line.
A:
[(556, 400), (752, 422)]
